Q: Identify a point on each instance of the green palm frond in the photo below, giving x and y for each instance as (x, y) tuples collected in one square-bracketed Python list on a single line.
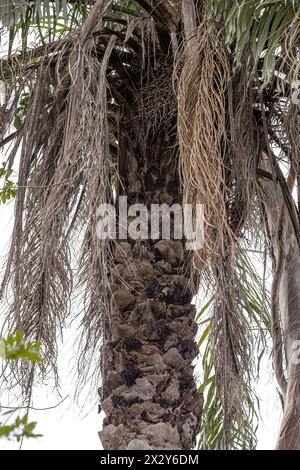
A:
[(260, 31), (40, 21), (253, 306)]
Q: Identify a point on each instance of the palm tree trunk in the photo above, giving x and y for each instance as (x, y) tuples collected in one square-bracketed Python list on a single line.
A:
[(148, 390)]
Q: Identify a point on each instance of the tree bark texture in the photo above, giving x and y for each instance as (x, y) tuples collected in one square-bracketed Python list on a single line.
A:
[(148, 392)]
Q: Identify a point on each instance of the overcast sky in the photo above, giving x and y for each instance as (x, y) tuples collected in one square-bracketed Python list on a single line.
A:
[(69, 426)]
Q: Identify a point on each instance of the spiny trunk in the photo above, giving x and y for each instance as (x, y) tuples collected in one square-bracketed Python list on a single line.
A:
[(148, 392), (286, 301)]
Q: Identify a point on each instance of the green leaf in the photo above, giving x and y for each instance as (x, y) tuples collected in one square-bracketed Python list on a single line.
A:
[(15, 348), (204, 335), (19, 336), (205, 308), (6, 430), (30, 427)]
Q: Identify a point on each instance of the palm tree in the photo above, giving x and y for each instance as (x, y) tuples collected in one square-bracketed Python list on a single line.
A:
[(170, 102)]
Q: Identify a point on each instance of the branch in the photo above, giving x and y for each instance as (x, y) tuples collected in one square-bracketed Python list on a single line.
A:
[(14, 408), (28, 59), (189, 19), (127, 11)]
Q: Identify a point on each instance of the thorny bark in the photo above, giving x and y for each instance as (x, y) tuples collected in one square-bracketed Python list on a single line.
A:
[(149, 393)]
